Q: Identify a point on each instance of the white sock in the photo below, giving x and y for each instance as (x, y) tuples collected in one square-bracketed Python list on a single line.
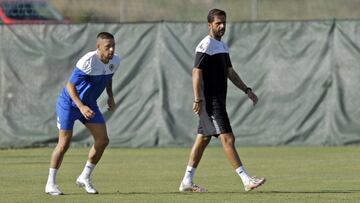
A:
[(189, 175), (243, 174), (52, 176), (89, 167)]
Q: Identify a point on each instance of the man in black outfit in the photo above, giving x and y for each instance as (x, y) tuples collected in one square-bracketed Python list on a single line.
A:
[(211, 70)]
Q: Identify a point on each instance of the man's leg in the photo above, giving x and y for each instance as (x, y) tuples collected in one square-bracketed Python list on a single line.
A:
[(101, 141), (196, 153), (228, 142), (56, 160), (98, 130), (198, 149)]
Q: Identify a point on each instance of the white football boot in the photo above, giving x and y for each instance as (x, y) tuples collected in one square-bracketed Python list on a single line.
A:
[(53, 189), (86, 184), (253, 183), (191, 188)]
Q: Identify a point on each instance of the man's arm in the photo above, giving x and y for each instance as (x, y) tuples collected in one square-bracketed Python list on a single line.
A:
[(236, 80), (85, 110), (111, 101), (196, 80)]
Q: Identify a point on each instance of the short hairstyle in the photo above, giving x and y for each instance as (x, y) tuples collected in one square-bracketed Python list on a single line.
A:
[(105, 35), (215, 12)]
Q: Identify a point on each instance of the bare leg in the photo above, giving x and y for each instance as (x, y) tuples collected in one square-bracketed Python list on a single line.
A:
[(198, 149), (101, 141), (98, 131), (195, 156), (55, 162), (61, 148), (228, 142)]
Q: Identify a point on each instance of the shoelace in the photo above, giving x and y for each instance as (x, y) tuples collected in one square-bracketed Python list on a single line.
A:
[(255, 180), (89, 184)]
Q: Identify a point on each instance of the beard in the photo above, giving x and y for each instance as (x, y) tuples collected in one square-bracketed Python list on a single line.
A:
[(110, 56), (221, 32), (218, 33)]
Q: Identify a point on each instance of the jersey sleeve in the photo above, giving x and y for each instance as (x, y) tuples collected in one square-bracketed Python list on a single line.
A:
[(117, 61), (77, 76), (201, 60), (228, 61)]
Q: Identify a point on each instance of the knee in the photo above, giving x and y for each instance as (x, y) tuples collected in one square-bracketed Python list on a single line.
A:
[(103, 143), (63, 147), (202, 142), (106, 142), (205, 138), (228, 140)]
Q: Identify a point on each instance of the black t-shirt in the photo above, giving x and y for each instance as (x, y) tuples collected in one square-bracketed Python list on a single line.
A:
[(212, 57)]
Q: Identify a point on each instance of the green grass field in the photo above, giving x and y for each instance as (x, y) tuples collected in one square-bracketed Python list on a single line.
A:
[(294, 174)]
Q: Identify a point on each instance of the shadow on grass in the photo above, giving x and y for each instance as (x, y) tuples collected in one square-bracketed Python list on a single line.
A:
[(311, 192), (240, 192), (128, 193)]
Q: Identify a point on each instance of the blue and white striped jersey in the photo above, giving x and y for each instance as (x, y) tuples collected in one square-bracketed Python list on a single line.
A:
[(90, 77)]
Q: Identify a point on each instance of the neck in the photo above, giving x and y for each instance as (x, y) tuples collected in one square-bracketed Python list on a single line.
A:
[(102, 59), (105, 61), (215, 37)]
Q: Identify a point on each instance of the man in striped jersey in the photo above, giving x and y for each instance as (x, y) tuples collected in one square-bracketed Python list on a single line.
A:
[(91, 76)]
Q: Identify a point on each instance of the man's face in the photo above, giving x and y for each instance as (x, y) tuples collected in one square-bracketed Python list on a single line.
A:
[(106, 48), (217, 27)]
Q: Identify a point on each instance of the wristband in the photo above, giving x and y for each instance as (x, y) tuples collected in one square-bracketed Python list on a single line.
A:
[(247, 90), (197, 100)]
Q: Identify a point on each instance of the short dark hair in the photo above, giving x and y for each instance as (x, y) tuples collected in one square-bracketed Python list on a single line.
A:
[(215, 12), (105, 35)]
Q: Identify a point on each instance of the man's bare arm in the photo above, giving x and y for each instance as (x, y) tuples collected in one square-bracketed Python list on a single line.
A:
[(85, 110), (235, 78), (111, 100), (196, 80)]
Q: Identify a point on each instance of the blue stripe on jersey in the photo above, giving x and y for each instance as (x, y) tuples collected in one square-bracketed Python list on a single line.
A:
[(89, 87)]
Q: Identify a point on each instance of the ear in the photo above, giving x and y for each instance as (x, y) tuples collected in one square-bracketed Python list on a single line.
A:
[(209, 25)]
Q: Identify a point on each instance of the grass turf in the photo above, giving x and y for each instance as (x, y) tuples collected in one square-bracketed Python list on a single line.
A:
[(294, 174)]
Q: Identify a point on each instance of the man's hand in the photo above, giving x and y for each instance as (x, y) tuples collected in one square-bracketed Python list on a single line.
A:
[(253, 97), (87, 112), (197, 107), (111, 104)]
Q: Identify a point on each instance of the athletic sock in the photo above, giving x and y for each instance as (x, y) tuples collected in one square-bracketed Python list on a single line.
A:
[(243, 175), (52, 176), (189, 175), (86, 173)]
